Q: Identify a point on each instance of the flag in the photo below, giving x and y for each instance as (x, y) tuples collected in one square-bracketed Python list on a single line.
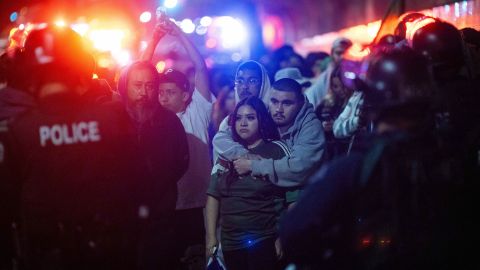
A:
[(390, 20)]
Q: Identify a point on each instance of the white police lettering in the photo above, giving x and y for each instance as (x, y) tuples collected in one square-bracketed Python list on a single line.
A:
[(81, 132)]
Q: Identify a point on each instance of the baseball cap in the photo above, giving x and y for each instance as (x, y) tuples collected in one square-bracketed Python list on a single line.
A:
[(292, 73)]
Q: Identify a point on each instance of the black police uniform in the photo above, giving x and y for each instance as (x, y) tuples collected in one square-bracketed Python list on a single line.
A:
[(12, 103), (79, 178), (401, 205)]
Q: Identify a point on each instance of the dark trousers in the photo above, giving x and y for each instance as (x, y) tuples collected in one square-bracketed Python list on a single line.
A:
[(189, 246), (157, 239), (261, 256)]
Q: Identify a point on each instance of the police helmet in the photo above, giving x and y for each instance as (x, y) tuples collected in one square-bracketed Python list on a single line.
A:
[(396, 77), (440, 42), (57, 53)]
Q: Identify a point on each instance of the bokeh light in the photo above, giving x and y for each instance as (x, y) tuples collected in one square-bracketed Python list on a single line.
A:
[(13, 16), (80, 28), (187, 26), (160, 66), (232, 32), (170, 3), (145, 17), (206, 21), (60, 23)]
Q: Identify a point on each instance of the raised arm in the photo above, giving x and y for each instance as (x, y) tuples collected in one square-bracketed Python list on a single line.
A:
[(201, 72), (158, 34)]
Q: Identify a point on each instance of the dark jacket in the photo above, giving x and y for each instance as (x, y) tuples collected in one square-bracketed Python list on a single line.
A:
[(73, 164), (401, 205), (163, 143)]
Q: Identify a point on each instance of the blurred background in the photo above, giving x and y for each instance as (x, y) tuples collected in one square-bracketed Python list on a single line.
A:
[(225, 31)]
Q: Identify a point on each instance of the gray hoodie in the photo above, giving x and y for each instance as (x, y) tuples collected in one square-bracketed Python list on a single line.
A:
[(305, 140)]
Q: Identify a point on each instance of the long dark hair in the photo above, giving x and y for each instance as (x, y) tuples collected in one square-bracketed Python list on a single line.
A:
[(267, 128)]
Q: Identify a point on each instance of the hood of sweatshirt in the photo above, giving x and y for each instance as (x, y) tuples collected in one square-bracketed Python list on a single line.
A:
[(306, 114), (264, 93)]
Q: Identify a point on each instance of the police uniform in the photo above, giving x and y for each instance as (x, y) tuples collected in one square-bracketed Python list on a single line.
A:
[(74, 163), (398, 206), (403, 204)]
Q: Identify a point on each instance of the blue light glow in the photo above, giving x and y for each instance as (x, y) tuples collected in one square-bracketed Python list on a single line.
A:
[(13, 16)]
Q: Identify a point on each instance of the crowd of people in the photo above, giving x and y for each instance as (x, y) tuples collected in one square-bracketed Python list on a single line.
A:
[(321, 162)]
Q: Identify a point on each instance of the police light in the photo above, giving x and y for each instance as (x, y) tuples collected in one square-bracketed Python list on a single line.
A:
[(80, 28), (232, 32), (107, 39), (60, 23), (145, 17)]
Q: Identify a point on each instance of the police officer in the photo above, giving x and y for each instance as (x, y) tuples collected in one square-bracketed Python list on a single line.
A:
[(396, 206), (71, 163), (457, 92)]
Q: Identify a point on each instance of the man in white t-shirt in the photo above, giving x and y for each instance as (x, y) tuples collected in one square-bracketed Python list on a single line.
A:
[(193, 106), (194, 111)]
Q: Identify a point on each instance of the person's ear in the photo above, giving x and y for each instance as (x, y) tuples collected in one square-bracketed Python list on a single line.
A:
[(185, 96)]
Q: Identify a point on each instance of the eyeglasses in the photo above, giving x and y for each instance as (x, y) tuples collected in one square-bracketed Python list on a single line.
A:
[(251, 81)]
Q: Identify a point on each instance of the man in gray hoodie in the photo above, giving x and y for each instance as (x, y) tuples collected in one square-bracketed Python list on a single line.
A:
[(299, 128)]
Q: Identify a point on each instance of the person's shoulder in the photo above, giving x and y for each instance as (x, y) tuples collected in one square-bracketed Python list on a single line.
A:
[(165, 117), (165, 114)]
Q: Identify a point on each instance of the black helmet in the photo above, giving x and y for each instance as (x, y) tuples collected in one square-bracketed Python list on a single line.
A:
[(389, 40), (396, 78), (56, 53), (402, 26), (441, 43)]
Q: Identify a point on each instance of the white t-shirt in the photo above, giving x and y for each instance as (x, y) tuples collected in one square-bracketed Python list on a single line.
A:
[(193, 185)]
